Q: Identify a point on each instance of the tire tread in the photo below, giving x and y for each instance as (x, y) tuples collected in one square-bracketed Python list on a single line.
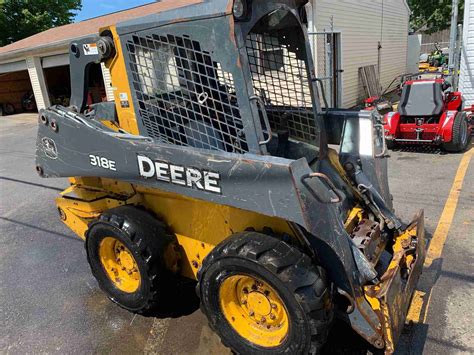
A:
[(292, 267), (456, 145), (139, 226)]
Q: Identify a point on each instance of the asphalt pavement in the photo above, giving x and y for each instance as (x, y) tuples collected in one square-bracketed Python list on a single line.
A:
[(50, 303)]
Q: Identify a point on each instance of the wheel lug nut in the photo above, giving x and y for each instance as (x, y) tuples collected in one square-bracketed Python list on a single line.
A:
[(272, 316), (263, 320), (251, 313), (245, 290), (274, 306), (243, 301)]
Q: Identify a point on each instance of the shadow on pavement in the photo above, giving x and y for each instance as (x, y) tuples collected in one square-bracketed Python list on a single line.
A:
[(31, 183), (417, 333), (423, 149), (176, 300), (414, 340), (428, 149), (48, 231), (451, 345), (456, 275), (343, 340)]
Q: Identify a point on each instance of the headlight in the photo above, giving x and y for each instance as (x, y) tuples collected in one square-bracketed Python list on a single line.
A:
[(240, 9)]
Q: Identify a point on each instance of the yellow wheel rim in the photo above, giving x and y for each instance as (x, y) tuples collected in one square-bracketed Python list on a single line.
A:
[(119, 264), (255, 310)]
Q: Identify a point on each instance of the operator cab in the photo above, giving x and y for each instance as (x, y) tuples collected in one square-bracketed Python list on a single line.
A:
[(279, 66), (258, 98)]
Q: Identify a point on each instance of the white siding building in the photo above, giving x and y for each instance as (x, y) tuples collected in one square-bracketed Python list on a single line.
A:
[(363, 24), (466, 78)]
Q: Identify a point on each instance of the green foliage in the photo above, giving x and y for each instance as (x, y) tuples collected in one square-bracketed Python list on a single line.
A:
[(432, 15), (23, 18)]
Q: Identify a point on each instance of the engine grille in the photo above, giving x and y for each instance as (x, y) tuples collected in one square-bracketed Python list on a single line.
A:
[(184, 96)]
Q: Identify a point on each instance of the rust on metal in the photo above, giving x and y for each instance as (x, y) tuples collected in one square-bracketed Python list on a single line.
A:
[(391, 298), (367, 237)]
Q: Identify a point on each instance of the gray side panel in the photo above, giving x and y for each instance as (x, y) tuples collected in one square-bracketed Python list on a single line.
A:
[(268, 185), (262, 184)]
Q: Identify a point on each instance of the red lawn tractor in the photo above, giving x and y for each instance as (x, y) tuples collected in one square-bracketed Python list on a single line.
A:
[(430, 115)]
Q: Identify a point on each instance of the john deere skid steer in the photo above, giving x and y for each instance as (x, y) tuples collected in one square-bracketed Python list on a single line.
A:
[(214, 164)]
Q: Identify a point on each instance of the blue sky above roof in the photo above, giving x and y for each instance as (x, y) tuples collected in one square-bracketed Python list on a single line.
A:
[(95, 8)]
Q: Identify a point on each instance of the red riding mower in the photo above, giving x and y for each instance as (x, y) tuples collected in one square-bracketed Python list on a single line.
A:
[(430, 115), (378, 103)]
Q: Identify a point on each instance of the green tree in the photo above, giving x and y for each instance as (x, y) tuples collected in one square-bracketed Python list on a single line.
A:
[(22, 18), (432, 15)]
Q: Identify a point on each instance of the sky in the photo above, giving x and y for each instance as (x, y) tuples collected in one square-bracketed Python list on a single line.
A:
[(94, 8)]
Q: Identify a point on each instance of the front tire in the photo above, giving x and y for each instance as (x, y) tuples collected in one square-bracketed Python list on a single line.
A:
[(460, 134), (131, 254), (263, 296)]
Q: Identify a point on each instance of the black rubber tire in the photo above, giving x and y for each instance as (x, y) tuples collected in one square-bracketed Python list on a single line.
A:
[(300, 283), (391, 144), (8, 109), (147, 239), (460, 134)]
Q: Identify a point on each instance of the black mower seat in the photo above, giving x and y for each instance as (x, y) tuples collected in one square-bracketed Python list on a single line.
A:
[(421, 98)]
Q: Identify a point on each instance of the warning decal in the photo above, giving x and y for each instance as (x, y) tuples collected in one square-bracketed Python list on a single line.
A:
[(90, 49)]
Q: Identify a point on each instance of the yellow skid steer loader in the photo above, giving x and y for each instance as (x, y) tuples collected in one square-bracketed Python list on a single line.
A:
[(213, 163)]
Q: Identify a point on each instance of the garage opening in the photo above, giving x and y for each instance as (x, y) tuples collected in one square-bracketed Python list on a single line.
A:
[(96, 84), (16, 93), (58, 81), (57, 75)]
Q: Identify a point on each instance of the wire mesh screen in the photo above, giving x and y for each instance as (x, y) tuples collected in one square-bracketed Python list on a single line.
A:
[(184, 96), (322, 46), (280, 78)]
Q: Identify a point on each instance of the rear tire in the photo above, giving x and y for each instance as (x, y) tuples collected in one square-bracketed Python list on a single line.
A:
[(391, 144), (460, 134), (147, 247), (279, 271)]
